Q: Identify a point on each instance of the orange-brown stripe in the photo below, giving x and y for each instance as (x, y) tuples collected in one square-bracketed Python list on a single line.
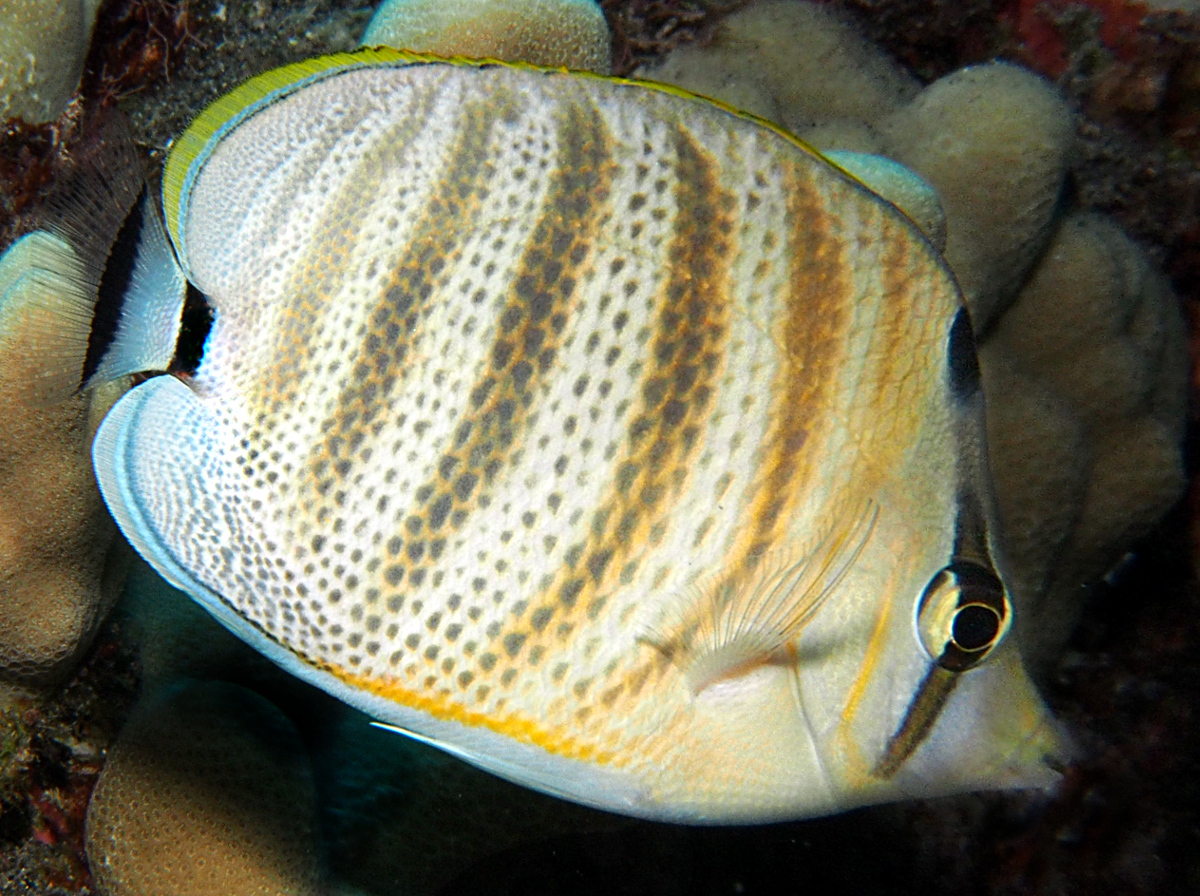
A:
[(896, 374), (686, 362), (529, 333), (322, 275), (812, 331), (415, 282), (918, 293)]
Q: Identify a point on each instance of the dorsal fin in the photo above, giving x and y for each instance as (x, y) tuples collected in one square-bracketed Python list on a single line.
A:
[(899, 185), (191, 150), (730, 622)]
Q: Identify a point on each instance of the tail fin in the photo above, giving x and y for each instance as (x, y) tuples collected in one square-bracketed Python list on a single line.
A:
[(101, 291), (43, 292), (147, 299)]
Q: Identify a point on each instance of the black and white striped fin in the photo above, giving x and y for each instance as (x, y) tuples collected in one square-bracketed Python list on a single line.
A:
[(101, 292)]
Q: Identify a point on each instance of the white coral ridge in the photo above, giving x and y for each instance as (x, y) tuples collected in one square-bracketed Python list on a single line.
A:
[(42, 47), (1082, 342)]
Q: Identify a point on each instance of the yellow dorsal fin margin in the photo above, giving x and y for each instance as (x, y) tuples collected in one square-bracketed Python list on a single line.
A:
[(221, 115), (190, 151)]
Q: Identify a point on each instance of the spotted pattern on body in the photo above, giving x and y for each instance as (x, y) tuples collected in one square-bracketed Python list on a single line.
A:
[(598, 345)]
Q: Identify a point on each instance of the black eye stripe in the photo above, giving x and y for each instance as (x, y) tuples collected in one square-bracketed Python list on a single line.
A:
[(963, 359), (962, 615), (964, 611)]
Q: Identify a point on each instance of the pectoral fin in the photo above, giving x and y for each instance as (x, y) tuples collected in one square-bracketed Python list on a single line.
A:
[(729, 623)]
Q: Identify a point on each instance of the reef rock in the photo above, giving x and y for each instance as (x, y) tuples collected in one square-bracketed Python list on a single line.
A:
[(207, 792), (57, 574), (42, 47), (570, 33)]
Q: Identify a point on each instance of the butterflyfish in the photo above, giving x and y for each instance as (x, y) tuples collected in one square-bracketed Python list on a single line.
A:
[(598, 434)]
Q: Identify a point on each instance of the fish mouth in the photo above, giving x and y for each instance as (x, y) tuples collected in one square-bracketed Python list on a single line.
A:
[(1043, 755), (989, 730)]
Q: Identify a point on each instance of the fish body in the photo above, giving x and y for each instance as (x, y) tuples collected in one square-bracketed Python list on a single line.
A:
[(589, 430)]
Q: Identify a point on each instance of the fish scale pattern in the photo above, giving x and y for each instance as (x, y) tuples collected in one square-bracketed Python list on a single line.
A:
[(536, 355)]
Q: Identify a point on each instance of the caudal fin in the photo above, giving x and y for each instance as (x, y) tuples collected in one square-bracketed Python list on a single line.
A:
[(101, 293)]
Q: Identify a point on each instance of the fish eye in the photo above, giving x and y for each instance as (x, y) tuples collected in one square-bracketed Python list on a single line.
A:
[(962, 615)]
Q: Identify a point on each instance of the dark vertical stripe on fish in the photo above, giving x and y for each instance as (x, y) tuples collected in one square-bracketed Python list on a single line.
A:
[(414, 283), (681, 375), (919, 718), (815, 317), (322, 275), (528, 336)]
